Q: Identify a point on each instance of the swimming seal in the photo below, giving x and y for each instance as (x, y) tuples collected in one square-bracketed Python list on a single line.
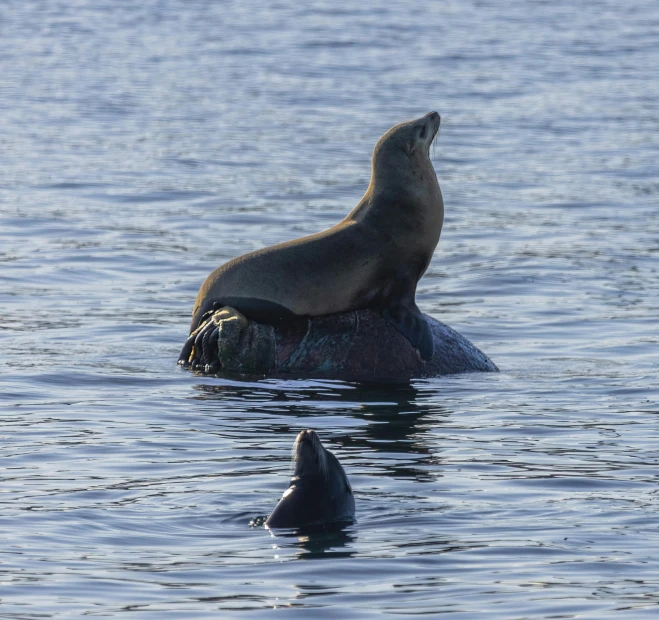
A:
[(371, 259), (319, 491)]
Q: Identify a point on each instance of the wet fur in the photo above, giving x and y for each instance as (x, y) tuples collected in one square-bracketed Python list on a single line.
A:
[(319, 455), (319, 492)]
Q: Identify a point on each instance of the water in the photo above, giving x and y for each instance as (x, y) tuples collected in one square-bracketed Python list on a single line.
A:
[(143, 144)]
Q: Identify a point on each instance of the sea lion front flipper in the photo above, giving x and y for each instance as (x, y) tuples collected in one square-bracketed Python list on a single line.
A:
[(413, 325)]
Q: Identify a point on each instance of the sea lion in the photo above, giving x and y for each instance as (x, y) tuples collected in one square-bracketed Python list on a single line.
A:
[(319, 492), (371, 259)]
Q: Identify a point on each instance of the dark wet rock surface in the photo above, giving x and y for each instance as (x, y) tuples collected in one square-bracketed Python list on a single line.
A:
[(359, 345)]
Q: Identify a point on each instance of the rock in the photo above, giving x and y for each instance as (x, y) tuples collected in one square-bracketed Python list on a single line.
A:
[(355, 346)]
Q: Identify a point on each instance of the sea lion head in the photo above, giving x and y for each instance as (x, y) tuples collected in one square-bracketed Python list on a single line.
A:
[(404, 183), (319, 491), (413, 138), (309, 455)]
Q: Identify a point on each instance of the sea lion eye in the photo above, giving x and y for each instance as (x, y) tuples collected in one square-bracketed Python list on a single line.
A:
[(422, 132)]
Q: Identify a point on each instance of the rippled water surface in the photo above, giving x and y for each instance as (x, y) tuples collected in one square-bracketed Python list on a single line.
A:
[(143, 144)]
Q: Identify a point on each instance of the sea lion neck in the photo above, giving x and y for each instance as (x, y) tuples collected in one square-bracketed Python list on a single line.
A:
[(313, 479), (397, 170), (405, 189)]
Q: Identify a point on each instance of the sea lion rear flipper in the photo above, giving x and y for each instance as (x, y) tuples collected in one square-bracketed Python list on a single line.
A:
[(413, 325), (255, 309), (186, 352), (260, 310)]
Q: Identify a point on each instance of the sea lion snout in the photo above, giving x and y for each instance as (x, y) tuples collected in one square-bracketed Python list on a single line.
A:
[(307, 435), (425, 129), (309, 454), (308, 438), (435, 119)]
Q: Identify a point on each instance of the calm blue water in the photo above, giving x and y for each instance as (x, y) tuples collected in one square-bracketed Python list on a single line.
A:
[(143, 144)]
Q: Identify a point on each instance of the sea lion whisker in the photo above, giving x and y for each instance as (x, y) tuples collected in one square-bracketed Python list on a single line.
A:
[(295, 455), (321, 458)]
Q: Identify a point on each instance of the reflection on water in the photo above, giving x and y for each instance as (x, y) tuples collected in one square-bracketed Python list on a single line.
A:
[(320, 545), (390, 416), (144, 144)]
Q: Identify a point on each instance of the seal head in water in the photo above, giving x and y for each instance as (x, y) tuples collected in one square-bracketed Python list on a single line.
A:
[(319, 492)]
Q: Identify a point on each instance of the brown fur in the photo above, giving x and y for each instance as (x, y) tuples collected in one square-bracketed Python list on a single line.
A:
[(373, 258)]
